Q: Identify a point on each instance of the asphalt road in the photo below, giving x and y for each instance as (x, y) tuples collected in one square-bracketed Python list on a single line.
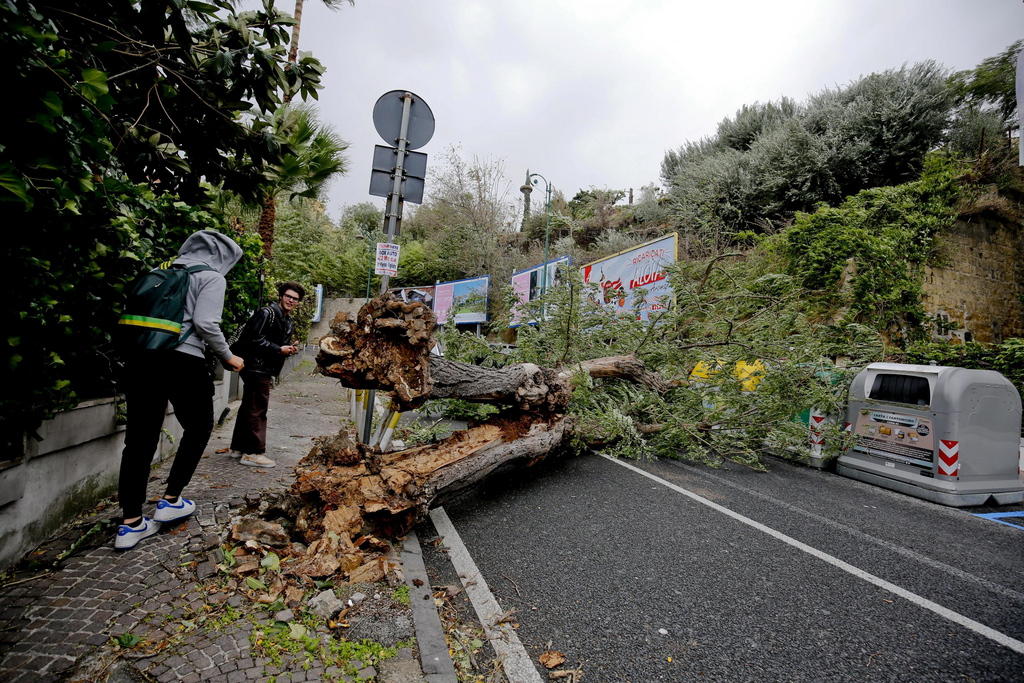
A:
[(640, 582)]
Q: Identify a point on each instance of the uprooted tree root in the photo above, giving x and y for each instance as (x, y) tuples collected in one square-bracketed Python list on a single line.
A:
[(348, 499)]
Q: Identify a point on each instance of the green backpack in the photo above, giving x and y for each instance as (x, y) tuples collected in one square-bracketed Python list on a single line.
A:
[(153, 316)]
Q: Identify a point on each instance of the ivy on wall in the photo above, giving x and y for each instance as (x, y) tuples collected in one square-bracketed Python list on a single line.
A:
[(864, 259)]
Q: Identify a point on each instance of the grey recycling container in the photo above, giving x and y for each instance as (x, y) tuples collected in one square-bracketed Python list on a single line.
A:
[(948, 435)]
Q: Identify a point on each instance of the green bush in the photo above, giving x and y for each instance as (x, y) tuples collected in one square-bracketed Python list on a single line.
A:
[(881, 238), (105, 152), (1006, 358)]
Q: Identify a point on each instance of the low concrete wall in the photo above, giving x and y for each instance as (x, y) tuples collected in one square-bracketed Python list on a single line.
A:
[(72, 467), (333, 307)]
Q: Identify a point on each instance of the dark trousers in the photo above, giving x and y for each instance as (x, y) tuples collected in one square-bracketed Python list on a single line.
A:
[(250, 433), (152, 381)]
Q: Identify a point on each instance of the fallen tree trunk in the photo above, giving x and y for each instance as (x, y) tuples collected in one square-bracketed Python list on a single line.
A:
[(348, 496)]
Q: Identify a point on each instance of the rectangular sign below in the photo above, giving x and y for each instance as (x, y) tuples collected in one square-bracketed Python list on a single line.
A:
[(386, 262), (382, 174)]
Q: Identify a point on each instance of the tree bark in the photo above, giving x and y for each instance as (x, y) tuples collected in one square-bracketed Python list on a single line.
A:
[(293, 46), (348, 496), (265, 227), (388, 347)]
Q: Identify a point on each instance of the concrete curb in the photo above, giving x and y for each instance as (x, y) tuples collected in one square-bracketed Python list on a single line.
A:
[(434, 659)]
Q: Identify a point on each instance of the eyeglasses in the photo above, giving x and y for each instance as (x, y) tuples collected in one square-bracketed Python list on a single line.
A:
[(292, 298)]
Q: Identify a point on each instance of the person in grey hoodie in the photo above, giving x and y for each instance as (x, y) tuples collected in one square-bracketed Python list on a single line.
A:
[(179, 376)]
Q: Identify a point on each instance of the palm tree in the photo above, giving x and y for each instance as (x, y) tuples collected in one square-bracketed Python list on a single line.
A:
[(293, 49), (316, 154)]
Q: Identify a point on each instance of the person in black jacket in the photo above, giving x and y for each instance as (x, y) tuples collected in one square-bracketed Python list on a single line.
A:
[(264, 344)]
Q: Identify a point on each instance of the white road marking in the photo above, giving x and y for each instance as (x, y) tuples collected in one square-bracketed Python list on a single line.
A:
[(968, 623), (857, 533), (514, 660)]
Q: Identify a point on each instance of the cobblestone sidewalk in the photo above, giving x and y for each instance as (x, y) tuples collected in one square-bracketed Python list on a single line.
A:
[(52, 625)]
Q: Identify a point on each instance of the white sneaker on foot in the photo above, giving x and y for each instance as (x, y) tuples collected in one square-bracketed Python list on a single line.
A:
[(235, 454), (128, 536), (256, 460), (171, 511)]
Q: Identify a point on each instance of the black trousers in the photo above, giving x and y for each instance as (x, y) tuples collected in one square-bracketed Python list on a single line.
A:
[(250, 432), (152, 381)]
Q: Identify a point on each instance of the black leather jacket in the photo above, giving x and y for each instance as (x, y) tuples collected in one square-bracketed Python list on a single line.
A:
[(260, 342)]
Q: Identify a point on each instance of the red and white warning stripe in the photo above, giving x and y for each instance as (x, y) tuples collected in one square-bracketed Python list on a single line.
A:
[(815, 424), (949, 458)]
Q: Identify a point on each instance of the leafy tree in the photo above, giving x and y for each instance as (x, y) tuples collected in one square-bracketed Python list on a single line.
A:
[(986, 116), (726, 311), (303, 230), (651, 207), (314, 154), (123, 110), (774, 159), (468, 220), (990, 85), (878, 129), (752, 120)]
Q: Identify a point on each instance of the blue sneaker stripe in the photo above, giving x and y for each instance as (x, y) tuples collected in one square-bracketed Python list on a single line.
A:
[(164, 503)]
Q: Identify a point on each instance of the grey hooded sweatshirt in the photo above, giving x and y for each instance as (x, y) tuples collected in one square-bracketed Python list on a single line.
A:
[(205, 303)]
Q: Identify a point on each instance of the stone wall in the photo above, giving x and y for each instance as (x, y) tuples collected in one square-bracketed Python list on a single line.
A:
[(976, 295)]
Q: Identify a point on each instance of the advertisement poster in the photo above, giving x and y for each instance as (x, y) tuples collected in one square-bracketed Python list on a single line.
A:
[(422, 294), (462, 301), (527, 285), (613, 280), (386, 262)]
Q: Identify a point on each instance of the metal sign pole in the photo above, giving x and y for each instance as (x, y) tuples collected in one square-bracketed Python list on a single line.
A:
[(394, 213)]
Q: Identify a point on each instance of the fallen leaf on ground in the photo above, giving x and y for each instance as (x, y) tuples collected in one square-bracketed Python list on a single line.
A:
[(293, 595), (222, 450), (255, 584), (551, 659)]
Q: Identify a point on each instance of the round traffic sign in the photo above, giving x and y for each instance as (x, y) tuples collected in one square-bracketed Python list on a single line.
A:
[(387, 119)]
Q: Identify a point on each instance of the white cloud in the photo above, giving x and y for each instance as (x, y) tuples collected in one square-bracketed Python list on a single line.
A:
[(594, 93)]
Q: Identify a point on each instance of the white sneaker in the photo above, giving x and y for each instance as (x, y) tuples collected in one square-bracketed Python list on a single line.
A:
[(256, 460), (234, 454), (128, 536), (168, 511)]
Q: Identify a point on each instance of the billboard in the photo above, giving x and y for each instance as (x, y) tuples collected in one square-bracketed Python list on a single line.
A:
[(462, 301), (614, 279), (527, 284)]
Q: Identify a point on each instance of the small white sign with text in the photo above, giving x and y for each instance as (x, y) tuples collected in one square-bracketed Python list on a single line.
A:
[(386, 262)]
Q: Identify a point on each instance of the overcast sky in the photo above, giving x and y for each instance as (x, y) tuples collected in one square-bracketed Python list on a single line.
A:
[(592, 94)]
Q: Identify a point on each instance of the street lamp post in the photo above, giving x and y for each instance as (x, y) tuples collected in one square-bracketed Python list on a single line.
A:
[(369, 276), (547, 228)]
